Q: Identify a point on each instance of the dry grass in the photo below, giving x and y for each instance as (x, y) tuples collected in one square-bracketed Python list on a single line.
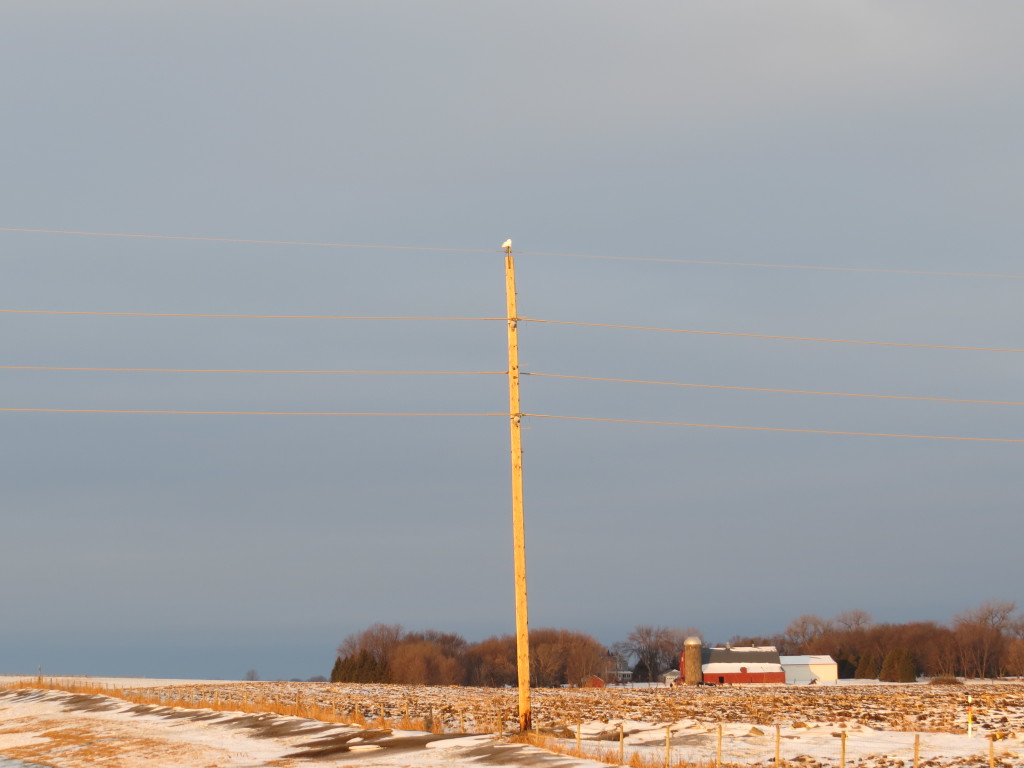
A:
[(601, 753), (82, 744), (309, 707), (444, 709), (557, 713), (946, 680)]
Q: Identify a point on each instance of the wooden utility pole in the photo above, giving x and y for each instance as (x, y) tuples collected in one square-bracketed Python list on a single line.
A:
[(518, 524)]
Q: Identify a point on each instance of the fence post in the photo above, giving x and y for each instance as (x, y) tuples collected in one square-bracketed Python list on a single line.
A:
[(462, 720), (991, 751), (622, 738), (579, 733), (668, 746), (917, 750), (718, 751), (778, 745), (842, 752)]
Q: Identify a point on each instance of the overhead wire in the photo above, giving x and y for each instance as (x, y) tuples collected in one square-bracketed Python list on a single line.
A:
[(773, 429), (97, 369), (560, 254), (127, 411), (768, 336), (534, 374), (155, 411), (254, 241), (243, 240), (241, 316), (765, 265), (576, 323), (539, 374)]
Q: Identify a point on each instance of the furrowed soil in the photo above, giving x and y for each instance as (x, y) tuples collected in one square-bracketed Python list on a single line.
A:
[(998, 707), (82, 723)]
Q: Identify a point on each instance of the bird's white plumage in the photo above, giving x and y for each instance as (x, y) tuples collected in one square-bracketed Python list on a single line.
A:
[(507, 243)]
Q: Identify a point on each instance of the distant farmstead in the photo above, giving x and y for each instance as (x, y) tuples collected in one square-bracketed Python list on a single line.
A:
[(730, 666)]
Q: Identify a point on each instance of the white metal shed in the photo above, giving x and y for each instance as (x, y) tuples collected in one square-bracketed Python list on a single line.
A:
[(810, 669)]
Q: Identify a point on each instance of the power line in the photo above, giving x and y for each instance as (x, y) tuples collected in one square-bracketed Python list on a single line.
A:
[(773, 389), (243, 240), (692, 331), (561, 254), (762, 265), (769, 336), (165, 412), (237, 316), (234, 413), (537, 374), (775, 429), (243, 370)]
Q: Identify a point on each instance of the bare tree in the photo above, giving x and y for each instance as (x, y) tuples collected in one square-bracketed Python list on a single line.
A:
[(378, 641), (801, 631), (1014, 664), (644, 645), (492, 661), (424, 662), (547, 662), (852, 621), (656, 649), (982, 635), (585, 656)]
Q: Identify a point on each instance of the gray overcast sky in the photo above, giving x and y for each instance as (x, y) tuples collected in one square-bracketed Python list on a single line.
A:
[(872, 135)]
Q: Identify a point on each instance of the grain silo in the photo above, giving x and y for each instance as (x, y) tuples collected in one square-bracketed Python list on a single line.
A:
[(690, 663)]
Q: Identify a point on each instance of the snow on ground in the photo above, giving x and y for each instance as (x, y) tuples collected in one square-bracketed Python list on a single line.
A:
[(805, 723), (68, 730)]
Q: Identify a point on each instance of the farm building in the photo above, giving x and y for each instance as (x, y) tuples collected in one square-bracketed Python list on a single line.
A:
[(810, 669), (728, 666)]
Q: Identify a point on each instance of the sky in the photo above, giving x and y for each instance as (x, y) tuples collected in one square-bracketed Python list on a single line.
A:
[(844, 170)]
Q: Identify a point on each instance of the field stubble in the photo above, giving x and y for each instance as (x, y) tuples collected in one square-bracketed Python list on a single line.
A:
[(688, 716), (998, 707)]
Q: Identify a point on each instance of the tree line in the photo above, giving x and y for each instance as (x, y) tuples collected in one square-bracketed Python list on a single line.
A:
[(987, 641), (386, 653)]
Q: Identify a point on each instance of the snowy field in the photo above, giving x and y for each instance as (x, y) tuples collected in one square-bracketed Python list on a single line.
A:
[(68, 730), (883, 724)]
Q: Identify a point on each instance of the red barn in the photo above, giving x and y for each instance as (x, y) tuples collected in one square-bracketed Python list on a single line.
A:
[(728, 666)]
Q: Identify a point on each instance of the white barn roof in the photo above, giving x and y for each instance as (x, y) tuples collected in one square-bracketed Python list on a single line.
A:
[(752, 667), (806, 660)]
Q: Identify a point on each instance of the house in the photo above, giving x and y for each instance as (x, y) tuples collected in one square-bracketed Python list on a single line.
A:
[(616, 670), (810, 669), (730, 666), (619, 676)]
